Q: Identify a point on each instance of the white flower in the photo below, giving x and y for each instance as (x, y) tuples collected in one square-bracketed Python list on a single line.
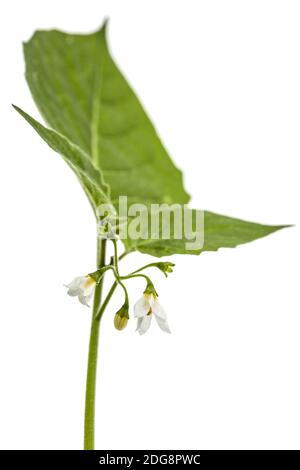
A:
[(145, 308), (82, 287)]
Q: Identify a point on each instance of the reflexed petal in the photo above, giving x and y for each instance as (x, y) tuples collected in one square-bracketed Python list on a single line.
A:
[(158, 310), (89, 296), (73, 292), (83, 300), (142, 307), (163, 324), (139, 322), (75, 283), (143, 324), (74, 286)]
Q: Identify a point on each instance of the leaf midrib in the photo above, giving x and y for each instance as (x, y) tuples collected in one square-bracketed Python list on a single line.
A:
[(96, 105)]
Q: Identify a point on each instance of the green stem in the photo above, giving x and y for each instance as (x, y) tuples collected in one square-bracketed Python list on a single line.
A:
[(89, 418), (107, 299), (123, 255), (115, 257), (133, 276)]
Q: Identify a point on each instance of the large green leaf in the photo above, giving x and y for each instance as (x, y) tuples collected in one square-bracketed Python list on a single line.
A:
[(100, 128), (81, 94)]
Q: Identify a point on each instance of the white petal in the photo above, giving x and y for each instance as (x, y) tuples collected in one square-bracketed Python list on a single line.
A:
[(143, 324), (88, 291), (83, 287), (142, 307), (89, 297), (163, 324), (83, 300), (158, 310), (139, 322), (75, 283), (151, 299), (73, 292), (74, 286)]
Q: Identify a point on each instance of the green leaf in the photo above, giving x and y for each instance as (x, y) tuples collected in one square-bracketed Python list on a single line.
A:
[(100, 128), (82, 95), (90, 178), (218, 231)]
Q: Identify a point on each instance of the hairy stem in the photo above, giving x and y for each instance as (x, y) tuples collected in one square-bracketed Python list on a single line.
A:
[(89, 417)]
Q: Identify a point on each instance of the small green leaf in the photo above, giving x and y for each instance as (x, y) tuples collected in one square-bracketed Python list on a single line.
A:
[(219, 232), (88, 175)]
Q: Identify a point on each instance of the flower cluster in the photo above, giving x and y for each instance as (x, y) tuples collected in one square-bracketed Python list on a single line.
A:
[(145, 308)]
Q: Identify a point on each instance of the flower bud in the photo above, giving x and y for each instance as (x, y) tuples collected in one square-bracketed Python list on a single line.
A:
[(165, 267), (121, 318)]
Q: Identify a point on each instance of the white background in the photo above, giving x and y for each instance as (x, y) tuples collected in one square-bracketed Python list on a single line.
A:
[(221, 81)]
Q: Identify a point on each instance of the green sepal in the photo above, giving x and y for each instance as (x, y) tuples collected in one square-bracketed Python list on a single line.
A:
[(97, 275), (150, 289)]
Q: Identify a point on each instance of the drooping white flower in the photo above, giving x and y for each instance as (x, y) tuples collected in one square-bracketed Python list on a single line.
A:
[(145, 308), (82, 287)]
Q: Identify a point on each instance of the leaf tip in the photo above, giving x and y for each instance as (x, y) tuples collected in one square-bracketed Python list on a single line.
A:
[(19, 110), (105, 23), (280, 227), (104, 26)]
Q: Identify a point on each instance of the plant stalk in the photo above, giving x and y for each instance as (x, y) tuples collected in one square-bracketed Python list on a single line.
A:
[(89, 417)]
